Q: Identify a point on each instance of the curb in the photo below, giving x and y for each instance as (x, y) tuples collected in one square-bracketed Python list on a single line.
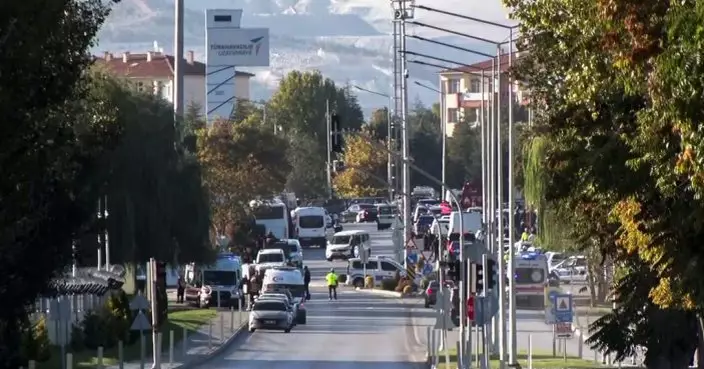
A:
[(215, 352)]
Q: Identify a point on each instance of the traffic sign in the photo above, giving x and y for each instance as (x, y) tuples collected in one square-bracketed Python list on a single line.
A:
[(426, 255), (563, 330), (139, 302), (562, 307), (140, 323), (411, 244)]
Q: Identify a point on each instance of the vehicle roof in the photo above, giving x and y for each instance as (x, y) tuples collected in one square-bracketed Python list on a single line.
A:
[(277, 275), (310, 208), (350, 233), (374, 258), (270, 251)]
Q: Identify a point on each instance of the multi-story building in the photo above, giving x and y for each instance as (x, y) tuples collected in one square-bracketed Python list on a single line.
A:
[(462, 90), (154, 71)]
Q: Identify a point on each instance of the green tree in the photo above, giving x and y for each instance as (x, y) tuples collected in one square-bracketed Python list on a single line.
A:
[(308, 176), (46, 194), (298, 107), (617, 107), (378, 125), (425, 143), (157, 205), (464, 161), (241, 162)]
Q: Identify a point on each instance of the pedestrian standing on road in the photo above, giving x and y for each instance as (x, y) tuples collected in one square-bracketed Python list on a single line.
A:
[(180, 290), (331, 278), (306, 281)]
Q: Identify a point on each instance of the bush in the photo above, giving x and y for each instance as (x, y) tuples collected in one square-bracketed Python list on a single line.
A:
[(388, 285), (78, 339), (95, 329), (424, 283), (35, 341), (120, 316), (369, 282)]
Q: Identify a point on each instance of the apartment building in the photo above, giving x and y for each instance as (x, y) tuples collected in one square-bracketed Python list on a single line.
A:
[(462, 88), (154, 71)]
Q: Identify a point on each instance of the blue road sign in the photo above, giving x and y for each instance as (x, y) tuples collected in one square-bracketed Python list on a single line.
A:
[(562, 307), (427, 269), (413, 258)]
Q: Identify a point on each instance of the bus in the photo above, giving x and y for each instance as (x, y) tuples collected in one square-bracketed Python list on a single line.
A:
[(274, 216)]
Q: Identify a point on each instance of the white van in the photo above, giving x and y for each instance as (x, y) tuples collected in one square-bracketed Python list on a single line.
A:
[(348, 244), (471, 222), (310, 226)]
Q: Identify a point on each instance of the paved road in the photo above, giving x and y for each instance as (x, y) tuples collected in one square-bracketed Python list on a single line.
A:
[(358, 331)]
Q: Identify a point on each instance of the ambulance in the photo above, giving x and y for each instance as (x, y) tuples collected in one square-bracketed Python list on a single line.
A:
[(531, 279)]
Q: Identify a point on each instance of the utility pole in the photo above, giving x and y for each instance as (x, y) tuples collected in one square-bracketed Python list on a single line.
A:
[(513, 345), (178, 96), (328, 122), (500, 221)]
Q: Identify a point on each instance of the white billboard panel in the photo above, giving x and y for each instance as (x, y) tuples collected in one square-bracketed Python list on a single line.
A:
[(242, 47)]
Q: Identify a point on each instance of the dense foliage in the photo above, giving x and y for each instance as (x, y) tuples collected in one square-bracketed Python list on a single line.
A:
[(617, 88)]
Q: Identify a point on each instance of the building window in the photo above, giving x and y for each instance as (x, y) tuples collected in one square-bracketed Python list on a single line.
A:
[(475, 85), (453, 115), (453, 86), (140, 86)]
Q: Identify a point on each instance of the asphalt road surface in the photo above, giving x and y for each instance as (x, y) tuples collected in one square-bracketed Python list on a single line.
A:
[(358, 331)]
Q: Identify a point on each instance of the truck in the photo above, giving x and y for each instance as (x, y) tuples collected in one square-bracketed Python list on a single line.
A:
[(214, 285)]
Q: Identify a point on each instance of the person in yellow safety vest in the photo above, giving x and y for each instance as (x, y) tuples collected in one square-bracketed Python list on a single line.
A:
[(525, 235), (331, 278)]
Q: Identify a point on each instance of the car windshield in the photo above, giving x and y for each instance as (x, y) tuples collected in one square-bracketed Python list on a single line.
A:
[(311, 221), (287, 247), (269, 306), (219, 278), (296, 290), (270, 258), (385, 210), (341, 240)]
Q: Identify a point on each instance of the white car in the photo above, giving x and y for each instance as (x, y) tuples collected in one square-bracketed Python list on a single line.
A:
[(573, 269), (269, 258)]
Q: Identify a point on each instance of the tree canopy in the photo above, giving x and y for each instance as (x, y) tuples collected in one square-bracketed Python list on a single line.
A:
[(298, 107), (617, 88), (241, 162), (365, 167)]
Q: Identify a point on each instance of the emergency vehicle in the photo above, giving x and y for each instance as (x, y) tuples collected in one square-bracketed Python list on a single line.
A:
[(214, 285), (290, 279), (531, 279)]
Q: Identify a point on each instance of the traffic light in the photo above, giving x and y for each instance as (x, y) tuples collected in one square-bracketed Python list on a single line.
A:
[(470, 308), (336, 133), (479, 278), (493, 272)]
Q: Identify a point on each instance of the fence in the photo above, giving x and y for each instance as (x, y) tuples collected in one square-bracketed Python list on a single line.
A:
[(72, 297)]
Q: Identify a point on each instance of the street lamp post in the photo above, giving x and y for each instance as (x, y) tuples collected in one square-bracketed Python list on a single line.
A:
[(443, 127), (389, 159), (512, 353)]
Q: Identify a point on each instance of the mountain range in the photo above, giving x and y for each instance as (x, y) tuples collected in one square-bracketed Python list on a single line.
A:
[(349, 41)]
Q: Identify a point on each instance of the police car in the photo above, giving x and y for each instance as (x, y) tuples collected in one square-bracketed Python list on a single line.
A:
[(282, 279)]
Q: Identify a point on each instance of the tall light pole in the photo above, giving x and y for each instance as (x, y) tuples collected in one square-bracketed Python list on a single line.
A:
[(512, 349), (389, 159), (443, 128), (403, 11)]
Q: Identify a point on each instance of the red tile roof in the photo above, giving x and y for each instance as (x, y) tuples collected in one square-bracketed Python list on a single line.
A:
[(484, 65), (152, 65)]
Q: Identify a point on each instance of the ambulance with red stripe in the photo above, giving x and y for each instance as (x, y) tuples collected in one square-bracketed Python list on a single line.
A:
[(531, 279)]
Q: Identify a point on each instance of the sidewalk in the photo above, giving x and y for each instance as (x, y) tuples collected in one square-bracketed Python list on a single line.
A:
[(208, 341)]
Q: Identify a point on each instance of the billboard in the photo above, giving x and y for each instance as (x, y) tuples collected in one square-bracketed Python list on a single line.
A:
[(243, 47)]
